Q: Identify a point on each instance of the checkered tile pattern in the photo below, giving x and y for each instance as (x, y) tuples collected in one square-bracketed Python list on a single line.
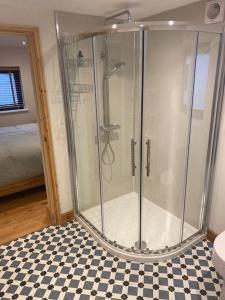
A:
[(67, 263)]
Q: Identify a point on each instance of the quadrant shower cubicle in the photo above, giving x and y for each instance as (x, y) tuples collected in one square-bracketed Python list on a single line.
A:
[(141, 107)]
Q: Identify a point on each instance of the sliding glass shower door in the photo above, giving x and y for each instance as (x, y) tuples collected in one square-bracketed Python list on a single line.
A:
[(168, 88), (179, 79), (78, 59), (118, 85)]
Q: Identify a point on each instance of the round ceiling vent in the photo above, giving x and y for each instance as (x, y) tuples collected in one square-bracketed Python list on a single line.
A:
[(214, 11)]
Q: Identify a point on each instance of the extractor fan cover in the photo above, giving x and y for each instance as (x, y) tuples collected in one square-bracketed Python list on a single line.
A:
[(214, 12)]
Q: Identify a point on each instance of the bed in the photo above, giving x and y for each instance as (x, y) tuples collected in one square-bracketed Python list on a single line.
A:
[(21, 165)]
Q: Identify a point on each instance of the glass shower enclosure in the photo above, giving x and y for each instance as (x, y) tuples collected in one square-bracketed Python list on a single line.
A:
[(141, 106)]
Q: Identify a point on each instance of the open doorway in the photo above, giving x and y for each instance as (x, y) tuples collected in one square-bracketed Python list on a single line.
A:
[(28, 188)]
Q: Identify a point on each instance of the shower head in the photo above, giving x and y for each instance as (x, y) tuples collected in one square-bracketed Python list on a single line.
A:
[(114, 69)]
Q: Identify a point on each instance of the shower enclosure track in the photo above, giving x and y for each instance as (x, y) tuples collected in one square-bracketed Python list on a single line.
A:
[(141, 256)]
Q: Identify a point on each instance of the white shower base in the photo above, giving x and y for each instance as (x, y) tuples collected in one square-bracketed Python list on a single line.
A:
[(160, 227)]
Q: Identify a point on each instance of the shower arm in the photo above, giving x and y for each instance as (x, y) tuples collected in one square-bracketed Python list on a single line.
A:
[(124, 12)]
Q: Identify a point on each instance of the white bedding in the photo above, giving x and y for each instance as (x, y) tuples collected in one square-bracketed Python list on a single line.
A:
[(20, 153)]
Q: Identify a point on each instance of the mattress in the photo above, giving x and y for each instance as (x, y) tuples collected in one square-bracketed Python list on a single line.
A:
[(20, 153)]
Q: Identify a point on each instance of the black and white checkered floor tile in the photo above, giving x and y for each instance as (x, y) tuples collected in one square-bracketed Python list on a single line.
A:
[(67, 263)]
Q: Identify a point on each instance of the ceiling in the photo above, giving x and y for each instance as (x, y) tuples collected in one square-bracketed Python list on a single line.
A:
[(138, 8)]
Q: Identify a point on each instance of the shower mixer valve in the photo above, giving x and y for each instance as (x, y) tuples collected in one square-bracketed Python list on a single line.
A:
[(109, 128)]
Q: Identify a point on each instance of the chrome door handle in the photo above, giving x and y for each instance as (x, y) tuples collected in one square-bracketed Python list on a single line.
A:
[(148, 144), (133, 166)]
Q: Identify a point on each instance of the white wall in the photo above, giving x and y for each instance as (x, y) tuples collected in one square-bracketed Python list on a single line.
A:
[(195, 13), (19, 57), (44, 19), (71, 23)]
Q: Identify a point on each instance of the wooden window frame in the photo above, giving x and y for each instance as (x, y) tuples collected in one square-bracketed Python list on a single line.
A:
[(32, 35)]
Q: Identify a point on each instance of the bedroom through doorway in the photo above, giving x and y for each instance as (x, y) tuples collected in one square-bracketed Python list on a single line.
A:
[(28, 189)]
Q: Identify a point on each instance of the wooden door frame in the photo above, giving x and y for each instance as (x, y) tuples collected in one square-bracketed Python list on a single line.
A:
[(32, 35)]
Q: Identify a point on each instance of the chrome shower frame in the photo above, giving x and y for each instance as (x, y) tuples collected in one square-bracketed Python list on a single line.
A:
[(168, 253)]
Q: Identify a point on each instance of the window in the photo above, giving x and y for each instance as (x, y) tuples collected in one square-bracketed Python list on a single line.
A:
[(11, 92)]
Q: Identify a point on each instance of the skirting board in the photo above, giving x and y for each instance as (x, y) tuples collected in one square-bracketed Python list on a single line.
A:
[(67, 217), (211, 235)]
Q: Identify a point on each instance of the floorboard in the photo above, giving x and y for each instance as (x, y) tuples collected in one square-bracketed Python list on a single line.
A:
[(23, 213)]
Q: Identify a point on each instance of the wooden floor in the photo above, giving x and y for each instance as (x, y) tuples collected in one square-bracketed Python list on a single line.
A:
[(23, 213)]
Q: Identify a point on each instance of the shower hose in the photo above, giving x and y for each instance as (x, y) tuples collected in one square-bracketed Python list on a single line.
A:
[(105, 152)]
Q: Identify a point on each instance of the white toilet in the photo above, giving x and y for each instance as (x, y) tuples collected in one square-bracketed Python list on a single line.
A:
[(218, 259)]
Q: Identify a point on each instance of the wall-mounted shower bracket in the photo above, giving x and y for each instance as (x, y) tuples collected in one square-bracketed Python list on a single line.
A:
[(109, 128)]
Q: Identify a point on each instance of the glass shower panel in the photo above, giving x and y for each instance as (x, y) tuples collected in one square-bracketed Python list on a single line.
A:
[(80, 82), (206, 64), (168, 86), (117, 58)]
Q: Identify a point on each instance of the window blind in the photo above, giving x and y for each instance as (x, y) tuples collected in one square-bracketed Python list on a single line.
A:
[(11, 94)]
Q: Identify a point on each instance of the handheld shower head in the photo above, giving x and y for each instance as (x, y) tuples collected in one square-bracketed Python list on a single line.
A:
[(114, 69)]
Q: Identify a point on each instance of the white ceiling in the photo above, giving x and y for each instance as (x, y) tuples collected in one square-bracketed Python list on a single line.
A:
[(138, 8)]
